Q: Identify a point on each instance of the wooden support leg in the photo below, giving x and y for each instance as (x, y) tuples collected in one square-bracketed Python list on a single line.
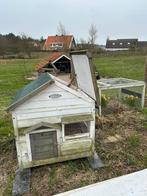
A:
[(100, 106), (119, 94), (143, 96)]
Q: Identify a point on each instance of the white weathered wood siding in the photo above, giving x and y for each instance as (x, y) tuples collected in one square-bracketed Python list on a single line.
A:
[(41, 108)]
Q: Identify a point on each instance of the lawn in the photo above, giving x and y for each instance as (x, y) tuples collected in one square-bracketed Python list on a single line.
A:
[(121, 157), (121, 66), (12, 78)]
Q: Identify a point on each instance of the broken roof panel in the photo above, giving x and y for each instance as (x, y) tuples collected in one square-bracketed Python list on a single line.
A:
[(55, 56), (85, 74)]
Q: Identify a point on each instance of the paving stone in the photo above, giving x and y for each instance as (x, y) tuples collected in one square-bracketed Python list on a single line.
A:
[(95, 161), (21, 183)]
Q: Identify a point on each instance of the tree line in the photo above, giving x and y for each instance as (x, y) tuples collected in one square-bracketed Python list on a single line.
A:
[(11, 44)]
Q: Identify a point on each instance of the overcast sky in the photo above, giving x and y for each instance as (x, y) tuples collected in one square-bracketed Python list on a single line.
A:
[(113, 18)]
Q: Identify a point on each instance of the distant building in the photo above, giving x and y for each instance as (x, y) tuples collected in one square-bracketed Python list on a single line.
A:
[(124, 44), (59, 42)]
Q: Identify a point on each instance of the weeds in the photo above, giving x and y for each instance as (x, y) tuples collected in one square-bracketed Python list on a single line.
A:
[(131, 100), (145, 159), (134, 141)]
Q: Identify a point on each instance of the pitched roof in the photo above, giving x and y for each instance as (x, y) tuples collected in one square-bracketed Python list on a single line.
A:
[(51, 59), (65, 39), (121, 43), (31, 89)]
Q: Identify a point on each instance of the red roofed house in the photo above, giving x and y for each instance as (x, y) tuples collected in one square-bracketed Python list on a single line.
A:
[(57, 62), (59, 42)]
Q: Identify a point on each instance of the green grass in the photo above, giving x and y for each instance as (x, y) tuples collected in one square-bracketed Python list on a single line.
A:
[(134, 141), (14, 71), (12, 78), (121, 158), (121, 66)]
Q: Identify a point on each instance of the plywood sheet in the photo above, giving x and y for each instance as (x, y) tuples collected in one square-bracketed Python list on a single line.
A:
[(83, 74)]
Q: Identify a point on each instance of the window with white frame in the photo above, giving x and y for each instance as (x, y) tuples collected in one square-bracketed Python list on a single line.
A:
[(76, 129), (57, 44)]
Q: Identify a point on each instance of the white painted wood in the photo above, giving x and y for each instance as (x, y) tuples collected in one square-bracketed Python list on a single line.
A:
[(29, 146), (42, 108), (76, 92), (100, 102), (52, 104), (42, 100), (49, 118), (143, 96), (79, 145), (119, 83), (15, 125), (114, 83), (134, 184), (53, 113), (50, 109), (61, 57), (92, 128), (56, 112), (63, 132), (80, 135), (22, 151), (83, 74)]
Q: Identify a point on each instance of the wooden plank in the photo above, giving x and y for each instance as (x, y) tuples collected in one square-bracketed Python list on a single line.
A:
[(46, 109), (73, 147), (56, 112), (83, 74), (53, 103), (129, 92), (77, 118)]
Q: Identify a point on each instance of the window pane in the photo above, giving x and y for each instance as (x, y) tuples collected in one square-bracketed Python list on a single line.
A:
[(77, 128)]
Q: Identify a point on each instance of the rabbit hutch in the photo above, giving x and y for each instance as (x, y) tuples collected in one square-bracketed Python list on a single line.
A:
[(52, 122)]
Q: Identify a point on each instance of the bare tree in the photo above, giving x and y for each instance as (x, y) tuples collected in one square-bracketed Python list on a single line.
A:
[(26, 44), (61, 29), (92, 34)]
